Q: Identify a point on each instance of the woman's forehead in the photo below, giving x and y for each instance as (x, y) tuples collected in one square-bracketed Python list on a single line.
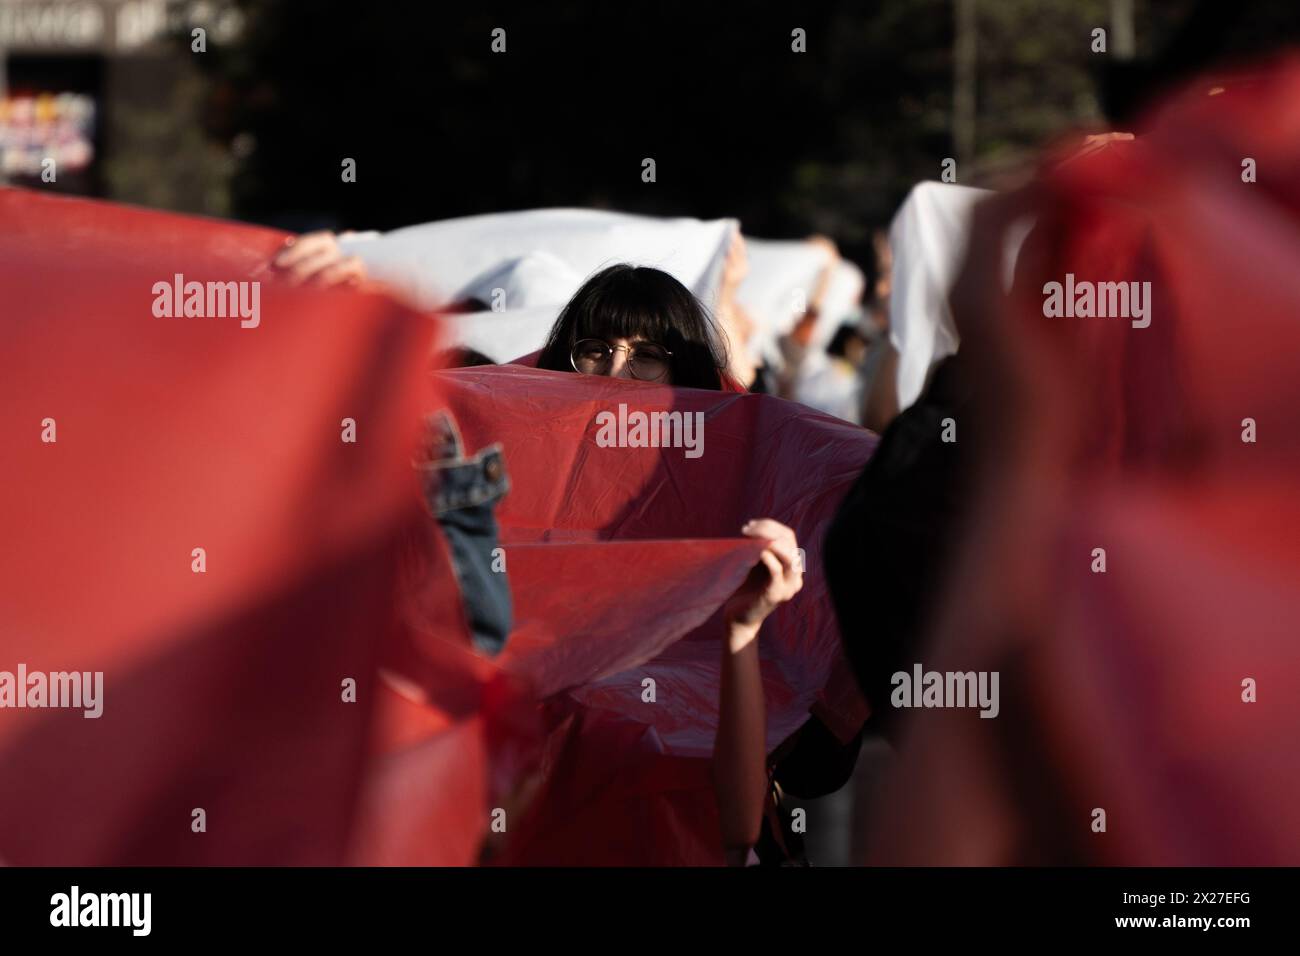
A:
[(638, 338)]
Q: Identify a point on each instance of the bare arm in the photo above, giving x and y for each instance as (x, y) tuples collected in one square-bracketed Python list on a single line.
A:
[(733, 318), (880, 404), (832, 253), (740, 749)]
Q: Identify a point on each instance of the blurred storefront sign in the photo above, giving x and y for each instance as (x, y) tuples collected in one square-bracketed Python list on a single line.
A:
[(110, 26), (34, 129), (96, 96)]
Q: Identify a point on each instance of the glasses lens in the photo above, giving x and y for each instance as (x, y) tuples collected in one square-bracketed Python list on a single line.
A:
[(590, 356), (649, 362)]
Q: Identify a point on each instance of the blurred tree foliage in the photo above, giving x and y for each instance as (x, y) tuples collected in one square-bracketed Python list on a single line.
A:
[(737, 123), (162, 157)]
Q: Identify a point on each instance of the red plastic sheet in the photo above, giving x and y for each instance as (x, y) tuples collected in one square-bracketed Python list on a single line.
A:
[(223, 688), (1126, 691), (618, 553), (619, 560)]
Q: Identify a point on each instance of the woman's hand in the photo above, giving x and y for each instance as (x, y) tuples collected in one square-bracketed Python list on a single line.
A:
[(826, 246), (774, 580), (315, 257)]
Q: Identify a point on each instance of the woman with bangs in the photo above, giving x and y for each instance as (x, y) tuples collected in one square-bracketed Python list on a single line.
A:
[(636, 322)]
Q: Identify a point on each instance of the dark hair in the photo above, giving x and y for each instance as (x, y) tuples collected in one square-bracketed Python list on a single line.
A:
[(839, 343), (626, 301), (462, 356)]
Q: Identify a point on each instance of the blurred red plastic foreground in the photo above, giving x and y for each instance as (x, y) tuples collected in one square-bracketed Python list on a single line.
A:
[(223, 669), (1150, 714)]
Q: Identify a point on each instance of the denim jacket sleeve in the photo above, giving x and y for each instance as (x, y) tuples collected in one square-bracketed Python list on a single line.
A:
[(461, 493)]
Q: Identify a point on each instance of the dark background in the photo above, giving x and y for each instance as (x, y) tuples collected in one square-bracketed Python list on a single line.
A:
[(738, 124), (828, 141)]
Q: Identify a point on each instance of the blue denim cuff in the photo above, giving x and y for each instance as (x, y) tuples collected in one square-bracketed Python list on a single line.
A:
[(461, 494)]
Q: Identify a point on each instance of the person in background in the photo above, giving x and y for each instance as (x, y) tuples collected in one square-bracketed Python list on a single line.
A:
[(794, 345), (880, 369), (833, 384)]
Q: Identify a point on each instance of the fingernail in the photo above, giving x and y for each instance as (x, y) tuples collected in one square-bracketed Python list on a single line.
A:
[(290, 241)]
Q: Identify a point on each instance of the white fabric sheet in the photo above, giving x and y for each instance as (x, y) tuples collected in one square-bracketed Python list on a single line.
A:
[(928, 238), (538, 259), (523, 267), (782, 277)]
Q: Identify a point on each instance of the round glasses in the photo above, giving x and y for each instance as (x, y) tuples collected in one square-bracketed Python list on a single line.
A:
[(645, 360)]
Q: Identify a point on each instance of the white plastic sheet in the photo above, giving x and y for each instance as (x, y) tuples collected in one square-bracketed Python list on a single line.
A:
[(928, 237), (523, 266), (782, 278)]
